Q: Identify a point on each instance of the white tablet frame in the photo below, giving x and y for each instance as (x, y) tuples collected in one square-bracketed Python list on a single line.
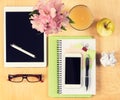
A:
[(22, 64)]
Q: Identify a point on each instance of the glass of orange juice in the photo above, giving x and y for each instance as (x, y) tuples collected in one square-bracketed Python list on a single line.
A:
[(81, 16)]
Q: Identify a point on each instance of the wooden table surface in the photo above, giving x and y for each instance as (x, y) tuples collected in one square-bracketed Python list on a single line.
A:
[(108, 78)]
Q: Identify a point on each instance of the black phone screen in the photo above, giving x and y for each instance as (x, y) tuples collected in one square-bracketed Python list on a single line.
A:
[(72, 70)]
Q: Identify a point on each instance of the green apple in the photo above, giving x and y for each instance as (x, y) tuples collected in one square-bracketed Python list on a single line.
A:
[(105, 27)]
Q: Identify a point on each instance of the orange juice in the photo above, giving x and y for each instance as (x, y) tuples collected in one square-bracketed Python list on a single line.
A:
[(81, 16)]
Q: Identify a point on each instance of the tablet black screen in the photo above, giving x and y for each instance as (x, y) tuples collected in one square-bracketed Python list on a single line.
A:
[(19, 32)]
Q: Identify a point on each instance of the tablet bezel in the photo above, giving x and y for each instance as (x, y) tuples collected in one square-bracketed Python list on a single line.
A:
[(22, 64)]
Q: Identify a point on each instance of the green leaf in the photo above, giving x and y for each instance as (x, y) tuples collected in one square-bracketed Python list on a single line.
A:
[(63, 28), (70, 20), (34, 12)]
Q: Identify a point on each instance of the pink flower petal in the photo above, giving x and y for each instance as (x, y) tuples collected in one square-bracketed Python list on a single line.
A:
[(53, 12)]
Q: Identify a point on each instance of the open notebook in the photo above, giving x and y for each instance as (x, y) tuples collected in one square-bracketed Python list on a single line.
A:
[(59, 47)]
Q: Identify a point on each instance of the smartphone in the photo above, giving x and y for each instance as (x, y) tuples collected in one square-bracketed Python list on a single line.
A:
[(72, 70)]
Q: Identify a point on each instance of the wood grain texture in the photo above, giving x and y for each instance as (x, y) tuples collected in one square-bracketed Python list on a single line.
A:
[(108, 78)]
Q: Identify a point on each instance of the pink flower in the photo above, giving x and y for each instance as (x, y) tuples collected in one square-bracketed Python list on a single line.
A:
[(48, 16)]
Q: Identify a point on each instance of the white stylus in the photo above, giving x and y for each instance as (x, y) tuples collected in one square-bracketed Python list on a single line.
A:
[(22, 50)]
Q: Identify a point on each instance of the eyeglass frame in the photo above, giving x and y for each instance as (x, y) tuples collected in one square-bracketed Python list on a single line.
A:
[(24, 76)]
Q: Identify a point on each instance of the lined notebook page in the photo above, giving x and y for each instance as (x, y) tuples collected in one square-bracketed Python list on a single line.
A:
[(65, 46)]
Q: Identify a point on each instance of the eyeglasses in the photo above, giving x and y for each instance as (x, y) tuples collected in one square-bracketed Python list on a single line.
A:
[(29, 77)]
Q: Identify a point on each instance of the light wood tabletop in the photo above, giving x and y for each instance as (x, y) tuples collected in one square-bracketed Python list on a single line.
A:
[(107, 78)]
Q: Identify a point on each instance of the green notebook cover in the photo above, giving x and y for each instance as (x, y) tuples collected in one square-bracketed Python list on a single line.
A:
[(52, 66)]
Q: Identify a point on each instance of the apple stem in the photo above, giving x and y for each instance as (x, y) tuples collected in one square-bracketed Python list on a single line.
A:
[(106, 25)]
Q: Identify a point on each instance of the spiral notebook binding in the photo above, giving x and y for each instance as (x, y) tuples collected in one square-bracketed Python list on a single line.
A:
[(59, 66)]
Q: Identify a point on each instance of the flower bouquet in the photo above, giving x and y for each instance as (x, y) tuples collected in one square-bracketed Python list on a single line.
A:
[(48, 17)]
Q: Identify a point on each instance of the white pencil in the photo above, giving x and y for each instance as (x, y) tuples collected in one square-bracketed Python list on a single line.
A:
[(22, 50)]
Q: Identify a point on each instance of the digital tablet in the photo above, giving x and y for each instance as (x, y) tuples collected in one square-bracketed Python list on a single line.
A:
[(23, 46)]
